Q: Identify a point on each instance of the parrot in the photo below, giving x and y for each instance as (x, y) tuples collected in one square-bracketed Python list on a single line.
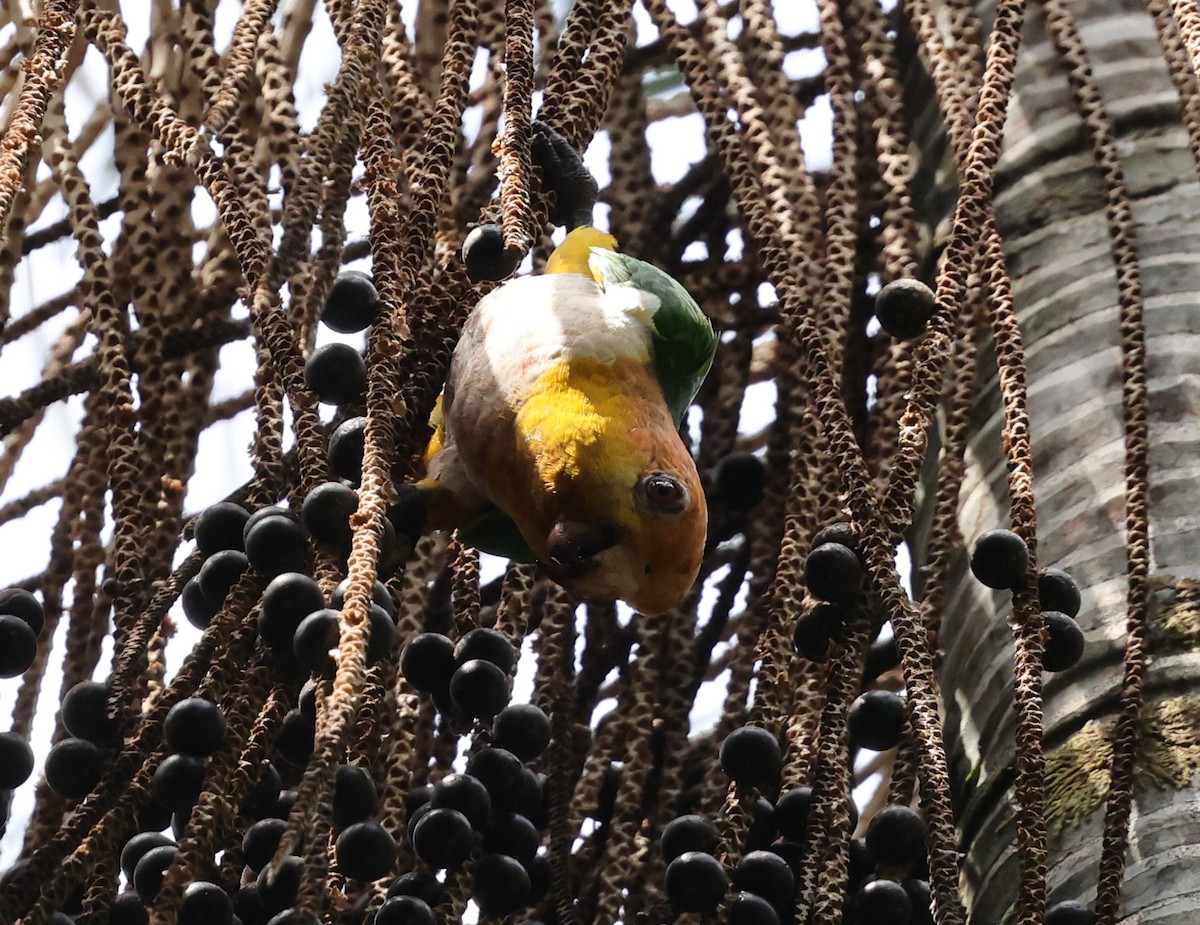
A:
[(556, 437)]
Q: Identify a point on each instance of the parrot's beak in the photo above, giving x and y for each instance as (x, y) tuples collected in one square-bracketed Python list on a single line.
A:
[(572, 548)]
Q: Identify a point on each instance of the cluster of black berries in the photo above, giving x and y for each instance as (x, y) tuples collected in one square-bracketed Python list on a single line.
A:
[(21, 622), (294, 621), (886, 870), (326, 514), (822, 622), (144, 861), (293, 618), (365, 850), (267, 898), (351, 306), (815, 628), (273, 890), (469, 679), (1001, 560), (74, 764), (231, 540), (269, 892), (148, 854), (194, 728), (696, 881), (497, 804), (337, 373), (885, 867), (833, 573)]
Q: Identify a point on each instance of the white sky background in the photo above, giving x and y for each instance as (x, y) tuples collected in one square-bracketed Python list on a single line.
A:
[(223, 460)]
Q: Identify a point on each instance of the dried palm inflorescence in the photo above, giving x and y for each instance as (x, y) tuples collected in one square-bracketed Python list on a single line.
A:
[(208, 193)]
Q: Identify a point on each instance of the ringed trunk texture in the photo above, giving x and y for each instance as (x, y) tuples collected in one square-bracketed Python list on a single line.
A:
[(1051, 211)]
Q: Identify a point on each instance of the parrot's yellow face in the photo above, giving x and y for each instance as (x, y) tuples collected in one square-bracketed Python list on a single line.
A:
[(619, 510)]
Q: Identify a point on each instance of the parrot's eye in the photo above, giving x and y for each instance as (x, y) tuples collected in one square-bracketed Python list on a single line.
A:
[(663, 493)]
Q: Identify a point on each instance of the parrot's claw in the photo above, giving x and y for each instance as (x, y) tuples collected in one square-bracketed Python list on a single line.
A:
[(563, 173)]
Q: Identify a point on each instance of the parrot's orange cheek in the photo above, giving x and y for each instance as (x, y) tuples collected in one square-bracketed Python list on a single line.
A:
[(670, 560)]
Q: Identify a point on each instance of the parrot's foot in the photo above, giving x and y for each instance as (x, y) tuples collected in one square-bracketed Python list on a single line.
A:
[(563, 173)]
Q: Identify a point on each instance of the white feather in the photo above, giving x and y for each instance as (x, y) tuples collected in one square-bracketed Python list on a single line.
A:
[(537, 321)]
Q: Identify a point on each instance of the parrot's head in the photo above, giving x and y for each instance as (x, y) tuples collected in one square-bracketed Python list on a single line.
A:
[(635, 531)]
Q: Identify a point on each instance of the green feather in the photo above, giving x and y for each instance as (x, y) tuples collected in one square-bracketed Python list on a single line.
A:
[(495, 533), (684, 341)]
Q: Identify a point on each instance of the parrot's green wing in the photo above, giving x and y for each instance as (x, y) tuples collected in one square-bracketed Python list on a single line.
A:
[(429, 505), (495, 533), (683, 338)]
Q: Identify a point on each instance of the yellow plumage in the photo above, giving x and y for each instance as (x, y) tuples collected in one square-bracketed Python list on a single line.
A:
[(567, 423), (572, 255)]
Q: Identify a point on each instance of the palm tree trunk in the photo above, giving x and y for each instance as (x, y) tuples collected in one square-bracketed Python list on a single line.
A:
[(1051, 210)]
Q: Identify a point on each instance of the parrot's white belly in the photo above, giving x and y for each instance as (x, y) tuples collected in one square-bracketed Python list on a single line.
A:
[(550, 318)]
